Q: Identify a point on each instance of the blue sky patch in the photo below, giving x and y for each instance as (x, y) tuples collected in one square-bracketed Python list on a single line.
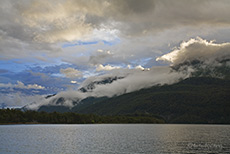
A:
[(66, 45)]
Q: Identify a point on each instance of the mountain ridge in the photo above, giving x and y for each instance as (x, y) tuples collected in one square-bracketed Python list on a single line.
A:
[(201, 95), (189, 101)]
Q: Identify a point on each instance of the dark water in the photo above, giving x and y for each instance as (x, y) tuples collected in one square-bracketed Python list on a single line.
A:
[(121, 138)]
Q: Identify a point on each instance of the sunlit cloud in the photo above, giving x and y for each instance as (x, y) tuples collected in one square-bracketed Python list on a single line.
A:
[(100, 67), (49, 45), (21, 85), (74, 82), (198, 49), (71, 73)]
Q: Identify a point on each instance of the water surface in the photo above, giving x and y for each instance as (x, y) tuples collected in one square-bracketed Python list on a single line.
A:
[(114, 138)]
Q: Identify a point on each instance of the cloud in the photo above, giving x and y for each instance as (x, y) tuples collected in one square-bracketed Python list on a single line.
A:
[(122, 81), (125, 32), (64, 98), (42, 75), (141, 68), (60, 20), (113, 84), (16, 38), (136, 80), (71, 73), (100, 67), (39, 28), (128, 81), (198, 49), (74, 82), (74, 32), (135, 18), (77, 20), (18, 99), (100, 57), (48, 77), (21, 85)]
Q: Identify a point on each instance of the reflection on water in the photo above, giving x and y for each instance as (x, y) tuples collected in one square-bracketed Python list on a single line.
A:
[(114, 138)]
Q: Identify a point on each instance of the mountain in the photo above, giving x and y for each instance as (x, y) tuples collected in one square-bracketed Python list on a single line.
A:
[(90, 86), (216, 69), (58, 103), (201, 97), (193, 100)]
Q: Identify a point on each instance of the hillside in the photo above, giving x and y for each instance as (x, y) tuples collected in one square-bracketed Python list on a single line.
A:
[(193, 100)]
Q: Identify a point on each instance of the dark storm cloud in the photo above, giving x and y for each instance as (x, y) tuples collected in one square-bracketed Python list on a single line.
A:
[(32, 28)]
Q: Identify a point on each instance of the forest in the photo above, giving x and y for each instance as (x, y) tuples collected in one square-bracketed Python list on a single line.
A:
[(190, 101), (16, 116)]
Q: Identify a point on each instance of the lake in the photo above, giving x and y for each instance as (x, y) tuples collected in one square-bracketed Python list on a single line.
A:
[(114, 139)]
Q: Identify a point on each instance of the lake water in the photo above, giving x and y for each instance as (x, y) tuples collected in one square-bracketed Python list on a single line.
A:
[(114, 139)]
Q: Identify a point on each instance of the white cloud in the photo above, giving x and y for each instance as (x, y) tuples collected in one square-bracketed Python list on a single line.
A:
[(67, 100), (99, 50), (139, 67), (74, 82), (129, 80), (100, 67), (21, 86), (19, 99), (58, 21), (71, 72), (198, 49), (138, 80)]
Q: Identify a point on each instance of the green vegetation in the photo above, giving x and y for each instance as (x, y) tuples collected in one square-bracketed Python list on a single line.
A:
[(15, 116), (194, 100)]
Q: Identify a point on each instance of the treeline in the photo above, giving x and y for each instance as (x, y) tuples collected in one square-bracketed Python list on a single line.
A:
[(15, 116), (193, 100)]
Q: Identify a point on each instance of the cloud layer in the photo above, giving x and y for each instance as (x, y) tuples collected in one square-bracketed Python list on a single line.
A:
[(19, 99), (71, 73), (34, 27), (198, 49), (58, 44), (71, 20), (21, 85), (122, 81)]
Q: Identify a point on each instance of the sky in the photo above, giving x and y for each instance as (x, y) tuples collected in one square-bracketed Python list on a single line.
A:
[(49, 47)]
